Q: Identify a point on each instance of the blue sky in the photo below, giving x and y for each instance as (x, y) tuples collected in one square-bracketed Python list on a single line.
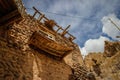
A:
[(88, 19)]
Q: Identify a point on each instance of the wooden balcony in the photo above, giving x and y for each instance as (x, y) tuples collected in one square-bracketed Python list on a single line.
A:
[(49, 45)]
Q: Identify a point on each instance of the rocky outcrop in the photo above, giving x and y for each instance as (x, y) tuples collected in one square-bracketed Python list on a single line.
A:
[(92, 59), (110, 69), (111, 48), (80, 72), (105, 65), (74, 58)]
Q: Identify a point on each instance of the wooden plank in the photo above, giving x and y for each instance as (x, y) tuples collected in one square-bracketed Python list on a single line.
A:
[(117, 36), (7, 6), (3, 4), (12, 20), (40, 13), (8, 16)]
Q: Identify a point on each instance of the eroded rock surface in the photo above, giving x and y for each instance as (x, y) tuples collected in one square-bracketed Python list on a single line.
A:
[(105, 65)]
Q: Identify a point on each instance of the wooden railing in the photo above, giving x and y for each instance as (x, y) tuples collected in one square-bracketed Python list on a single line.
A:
[(64, 31)]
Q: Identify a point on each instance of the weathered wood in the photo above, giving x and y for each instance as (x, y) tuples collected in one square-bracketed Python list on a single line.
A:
[(67, 28), (10, 16), (34, 14), (71, 35), (7, 6), (39, 13), (64, 30), (11, 21), (41, 17), (58, 29), (114, 24), (49, 45), (117, 36)]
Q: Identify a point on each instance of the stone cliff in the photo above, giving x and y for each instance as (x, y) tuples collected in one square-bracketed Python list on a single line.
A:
[(105, 65)]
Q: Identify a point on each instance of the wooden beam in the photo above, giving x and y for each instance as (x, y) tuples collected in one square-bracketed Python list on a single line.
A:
[(40, 13), (58, 29), (114, 24), (41, 17), (117, 36), (71, 35), (34, 14), (65, 30), (3, 4), (11, 21), (8, 16), (7, 20), (37, 10)]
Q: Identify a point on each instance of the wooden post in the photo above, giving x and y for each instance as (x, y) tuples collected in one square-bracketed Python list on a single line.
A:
[(117, 36), (46, 18), (34, 14), (58, 29), (64, 33), (114, 24), (41, 17), (37, 11), (71, 38), (65, 30)]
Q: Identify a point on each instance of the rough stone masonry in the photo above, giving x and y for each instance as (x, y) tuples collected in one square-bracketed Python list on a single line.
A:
[(19, 61)]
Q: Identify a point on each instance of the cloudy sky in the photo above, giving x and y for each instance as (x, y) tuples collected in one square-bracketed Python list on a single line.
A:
[(89, 19)]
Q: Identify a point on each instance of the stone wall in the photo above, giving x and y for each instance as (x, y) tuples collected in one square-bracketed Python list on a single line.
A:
[(14, 64), (49, 68), (75, 57), (19, 61)]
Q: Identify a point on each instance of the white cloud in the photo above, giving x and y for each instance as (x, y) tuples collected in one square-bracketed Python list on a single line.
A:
[(87, 24), (89, 12), (97, 45), (94, 45), (83, 51), (109, 28)]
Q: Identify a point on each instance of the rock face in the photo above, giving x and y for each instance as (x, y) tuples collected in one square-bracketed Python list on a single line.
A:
[(74, 58), (14, 64), (80, 72), (111, 48), (20, 61), (18, 65), (105, 65)]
